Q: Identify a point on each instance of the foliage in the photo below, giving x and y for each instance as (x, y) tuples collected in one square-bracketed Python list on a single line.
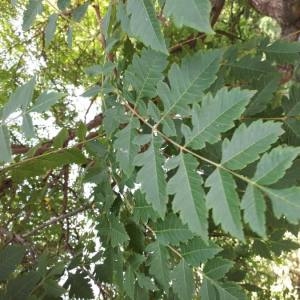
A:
[(179, 174)]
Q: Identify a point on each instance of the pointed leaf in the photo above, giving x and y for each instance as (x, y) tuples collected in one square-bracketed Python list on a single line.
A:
[(186, 184), (10, 257), (145, 72), (224, 201), (183, 281), (286, 202), (144, 24), (33, 8), (188, 81), (79, 11), (273, 165), (27, 126), (248, 142), (5, 150), (151, 176), (143, 211), (172, 231), (230, 291), (217, 268), (159, 263), (216, 115), (50, 29), (191, 13), (80, 287), (114, 231), (253, 204), (196, 251), (19, 99), (126, 149)]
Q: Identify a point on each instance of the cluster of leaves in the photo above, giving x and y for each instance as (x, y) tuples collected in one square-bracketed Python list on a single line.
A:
[(194, 169)]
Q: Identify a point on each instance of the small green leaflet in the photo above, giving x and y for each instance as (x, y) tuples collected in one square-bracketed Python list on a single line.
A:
[(126, 149), (145, 25), (172, 231), (151, 176), (249, 67), (113, 230), (224, 201), (145, 282), (50, 29), (47, 161), (217, 267), (159, 263), (129, 282), (33, 8), (273, 165), (266, 87), (145, 72), (27, 126), (63, 4), (211, 288), (183, 281), (187, 82), (196, 251), (186, 185), (216, 115), (191, 13), (19, 99), (79, 11), (285, 202), (248, 142), (10, 257), (283, 51), (5, 150), (253, 204), (80, 287), (143, 211), (21, 287)]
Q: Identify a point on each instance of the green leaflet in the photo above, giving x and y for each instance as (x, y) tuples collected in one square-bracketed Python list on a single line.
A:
[(79, 11), (192, 13), (45, 100), (224, 201), (113, 230), (159, 263), (145, 25), (217, 267), (273, 165), (5, 150), (266, 87), (172, 231), (40, 164), (151, 176), (21, 287), (282, 51), (27, 126), (80, 286), (50, 29), (196, 251), (187, 82), (10, 257), (145, 72), (186, 185), (249, 67), (216, 115), (285, 202), (248, 142), (126, 149), (33, 8), (253, 204), (211, 288), (183, 281), (143, 211), (19, 99)]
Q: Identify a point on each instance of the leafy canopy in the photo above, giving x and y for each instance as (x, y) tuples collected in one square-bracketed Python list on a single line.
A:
[(146, 153)]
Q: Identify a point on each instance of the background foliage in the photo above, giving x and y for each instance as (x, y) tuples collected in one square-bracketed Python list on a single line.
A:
[(149, 150)]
